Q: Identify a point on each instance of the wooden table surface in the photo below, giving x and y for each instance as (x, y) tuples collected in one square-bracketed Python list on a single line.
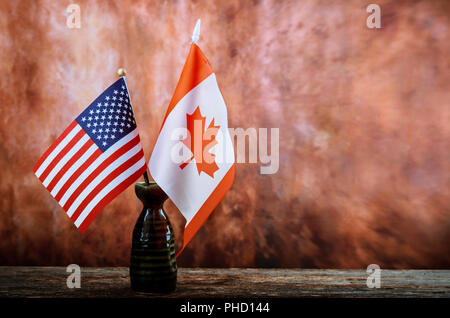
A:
[(209, 282)]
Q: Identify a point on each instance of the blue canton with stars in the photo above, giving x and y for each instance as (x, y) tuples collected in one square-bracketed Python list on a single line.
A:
[(110, 117)]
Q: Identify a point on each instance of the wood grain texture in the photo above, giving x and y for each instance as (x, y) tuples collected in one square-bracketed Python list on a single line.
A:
[(204, 282)]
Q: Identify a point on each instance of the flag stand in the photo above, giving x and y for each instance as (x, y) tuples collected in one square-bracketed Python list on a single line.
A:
[(121, 72)]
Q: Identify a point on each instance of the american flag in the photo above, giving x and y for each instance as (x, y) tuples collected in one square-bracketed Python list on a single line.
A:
[(96, 158)]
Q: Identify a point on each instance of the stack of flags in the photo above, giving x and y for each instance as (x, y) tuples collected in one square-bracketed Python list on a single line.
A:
[(100, 154)]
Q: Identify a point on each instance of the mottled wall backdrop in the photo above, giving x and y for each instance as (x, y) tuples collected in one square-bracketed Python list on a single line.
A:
[(363, 114)]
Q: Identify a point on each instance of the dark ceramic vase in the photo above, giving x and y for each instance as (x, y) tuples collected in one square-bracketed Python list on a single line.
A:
[(153, 267)]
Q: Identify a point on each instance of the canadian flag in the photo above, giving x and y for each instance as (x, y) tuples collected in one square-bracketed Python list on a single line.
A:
[(193, 158)]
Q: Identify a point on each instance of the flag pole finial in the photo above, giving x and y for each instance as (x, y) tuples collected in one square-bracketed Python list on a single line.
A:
[(121, 72), (196, 33)]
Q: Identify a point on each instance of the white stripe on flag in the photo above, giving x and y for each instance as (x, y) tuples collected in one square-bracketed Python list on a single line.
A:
[(113, 166), (72, 169), (111, 186), (95, 164), (64, 159), (57, 150)]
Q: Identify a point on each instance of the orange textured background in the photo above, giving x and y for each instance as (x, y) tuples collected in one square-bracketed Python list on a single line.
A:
[(363, 114)]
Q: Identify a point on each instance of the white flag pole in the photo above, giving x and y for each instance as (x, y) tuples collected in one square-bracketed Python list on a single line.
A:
[(196, 33)]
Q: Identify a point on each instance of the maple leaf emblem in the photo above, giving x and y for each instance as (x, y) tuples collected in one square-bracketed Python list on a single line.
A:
[(200, 142)]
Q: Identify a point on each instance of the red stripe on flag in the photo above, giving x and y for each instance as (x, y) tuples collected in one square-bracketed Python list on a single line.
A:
[(110, 177), (109, 197), (61, 154), (54, 145), (207, 207), (77, 173), (99, 169), (70, 163)]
